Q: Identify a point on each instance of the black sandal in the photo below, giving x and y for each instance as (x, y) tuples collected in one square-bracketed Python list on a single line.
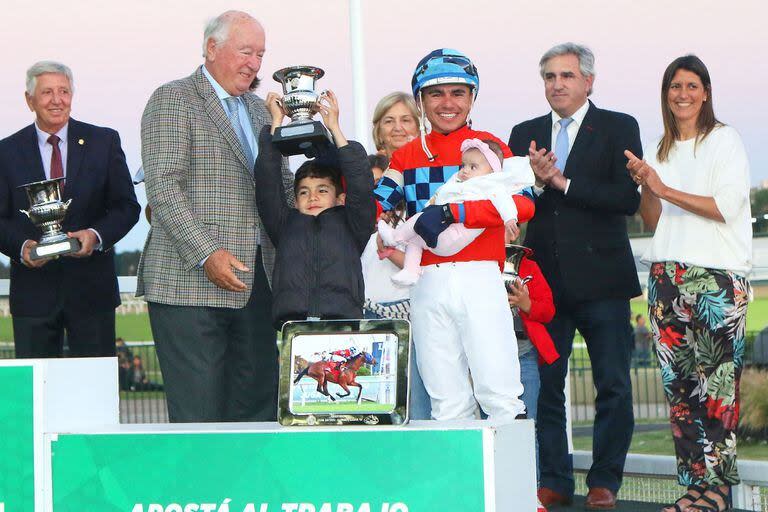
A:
[(688, 496), (712, 505)]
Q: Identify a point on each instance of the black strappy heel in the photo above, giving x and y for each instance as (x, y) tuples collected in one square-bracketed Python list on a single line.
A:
[(688, 496), (712, 505)]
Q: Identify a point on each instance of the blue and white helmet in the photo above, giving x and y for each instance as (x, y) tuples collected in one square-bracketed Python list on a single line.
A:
[(445, 66), (442, 66)]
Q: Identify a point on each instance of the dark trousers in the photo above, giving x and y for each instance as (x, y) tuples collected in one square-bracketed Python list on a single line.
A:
[(605, 326), (89, 334), (219, 364)]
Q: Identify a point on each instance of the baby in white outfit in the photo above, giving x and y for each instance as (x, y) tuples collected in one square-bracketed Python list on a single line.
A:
[(480, 177)]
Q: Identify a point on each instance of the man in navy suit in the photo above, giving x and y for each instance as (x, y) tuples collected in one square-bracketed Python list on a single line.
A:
[(579, 238), (76, 293)]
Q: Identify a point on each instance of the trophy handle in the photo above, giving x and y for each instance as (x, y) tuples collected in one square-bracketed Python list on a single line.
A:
[(26, 212), (66, 205)]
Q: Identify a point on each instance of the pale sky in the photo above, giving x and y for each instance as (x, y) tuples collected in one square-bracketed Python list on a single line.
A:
[(120, 52)]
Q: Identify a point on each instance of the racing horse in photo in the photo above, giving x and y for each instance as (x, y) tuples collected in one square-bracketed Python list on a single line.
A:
[(343, 374)]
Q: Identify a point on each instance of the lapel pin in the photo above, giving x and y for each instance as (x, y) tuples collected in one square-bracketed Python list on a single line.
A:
[(589, 127), (81, 141)]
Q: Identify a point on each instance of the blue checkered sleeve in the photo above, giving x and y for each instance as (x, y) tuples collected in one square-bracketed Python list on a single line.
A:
[(389, 191)]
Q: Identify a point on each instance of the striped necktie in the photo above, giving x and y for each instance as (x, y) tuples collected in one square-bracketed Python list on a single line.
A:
[(57, 168)]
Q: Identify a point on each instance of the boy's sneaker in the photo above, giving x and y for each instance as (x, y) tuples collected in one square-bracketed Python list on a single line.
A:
[(540, 507)]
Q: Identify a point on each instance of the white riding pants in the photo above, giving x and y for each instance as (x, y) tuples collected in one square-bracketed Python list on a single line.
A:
[(465, 338)]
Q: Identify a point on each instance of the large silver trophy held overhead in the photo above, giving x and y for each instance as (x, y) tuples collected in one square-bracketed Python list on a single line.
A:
[(302, 135), (47, 211)]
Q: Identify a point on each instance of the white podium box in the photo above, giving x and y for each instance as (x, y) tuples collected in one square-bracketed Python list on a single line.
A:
[(47, 395), (469, 466)]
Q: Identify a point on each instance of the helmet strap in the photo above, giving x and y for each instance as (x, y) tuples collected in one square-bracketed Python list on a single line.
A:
[(423, 129), (472, 104)]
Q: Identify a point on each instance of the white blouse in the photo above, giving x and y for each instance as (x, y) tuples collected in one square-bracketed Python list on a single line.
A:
[(715, 167)]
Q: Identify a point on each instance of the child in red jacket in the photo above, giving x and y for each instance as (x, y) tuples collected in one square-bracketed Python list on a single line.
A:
[(533, 307)]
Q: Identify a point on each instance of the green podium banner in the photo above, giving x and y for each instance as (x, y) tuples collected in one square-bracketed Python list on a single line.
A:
[(17, 468), (273, 471)]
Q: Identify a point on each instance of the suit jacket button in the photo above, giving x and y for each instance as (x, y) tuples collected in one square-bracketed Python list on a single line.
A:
[(556, 212)]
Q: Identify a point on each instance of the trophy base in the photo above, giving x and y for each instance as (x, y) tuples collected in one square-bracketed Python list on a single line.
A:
[(51, 250), (301, 138)]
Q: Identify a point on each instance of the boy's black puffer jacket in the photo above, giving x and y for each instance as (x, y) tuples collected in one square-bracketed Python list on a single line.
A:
[(317, 271)]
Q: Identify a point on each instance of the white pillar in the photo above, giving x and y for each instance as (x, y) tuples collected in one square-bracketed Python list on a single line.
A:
[(362, 121)]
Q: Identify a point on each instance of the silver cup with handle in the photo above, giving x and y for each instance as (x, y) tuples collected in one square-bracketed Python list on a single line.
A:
[(302, 135), (47, 211)]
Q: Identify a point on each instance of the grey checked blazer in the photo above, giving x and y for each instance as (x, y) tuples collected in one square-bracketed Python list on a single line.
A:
[(201, 191)]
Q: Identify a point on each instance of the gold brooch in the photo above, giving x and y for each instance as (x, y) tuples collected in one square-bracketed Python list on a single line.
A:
[(81, 142)]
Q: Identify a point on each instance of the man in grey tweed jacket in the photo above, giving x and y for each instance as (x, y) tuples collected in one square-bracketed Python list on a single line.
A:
[(206, 260)]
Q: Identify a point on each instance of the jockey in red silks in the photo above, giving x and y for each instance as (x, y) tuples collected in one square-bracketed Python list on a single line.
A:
[(459, 311)]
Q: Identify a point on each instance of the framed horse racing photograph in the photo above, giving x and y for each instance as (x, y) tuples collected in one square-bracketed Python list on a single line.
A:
[(344, 372)]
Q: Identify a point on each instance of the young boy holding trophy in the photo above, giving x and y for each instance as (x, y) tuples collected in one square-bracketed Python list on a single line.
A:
[(317, 269)]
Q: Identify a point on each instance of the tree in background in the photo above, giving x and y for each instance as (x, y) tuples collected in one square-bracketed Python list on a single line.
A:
[(127, 262)]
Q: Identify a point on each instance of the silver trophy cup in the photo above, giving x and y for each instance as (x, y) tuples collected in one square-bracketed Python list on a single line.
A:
[(47, 211), (514, 255), (302, 135)]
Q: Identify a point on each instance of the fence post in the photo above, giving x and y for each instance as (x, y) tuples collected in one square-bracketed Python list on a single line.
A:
[(746, 497)]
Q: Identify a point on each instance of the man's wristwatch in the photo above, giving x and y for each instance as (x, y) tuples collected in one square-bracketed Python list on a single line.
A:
[(447, 214)]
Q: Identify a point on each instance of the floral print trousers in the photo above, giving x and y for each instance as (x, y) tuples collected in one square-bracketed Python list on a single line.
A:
[(698, 320)]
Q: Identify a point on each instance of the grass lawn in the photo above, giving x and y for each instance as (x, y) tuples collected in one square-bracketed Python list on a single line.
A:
[(659, 442), (134, 327), (6, 332)]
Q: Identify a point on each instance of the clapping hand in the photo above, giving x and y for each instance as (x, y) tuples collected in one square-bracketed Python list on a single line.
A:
[(643, 174), (543, 166)]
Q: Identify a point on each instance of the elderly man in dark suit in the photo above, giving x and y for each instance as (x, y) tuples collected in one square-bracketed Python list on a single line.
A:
[(76, 293), (206, 261), (579, 238)]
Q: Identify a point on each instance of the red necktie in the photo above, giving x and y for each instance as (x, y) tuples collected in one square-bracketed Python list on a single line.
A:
[(57, 169)]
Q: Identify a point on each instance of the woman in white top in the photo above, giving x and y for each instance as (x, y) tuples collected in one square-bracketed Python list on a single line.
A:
[(695, 193)]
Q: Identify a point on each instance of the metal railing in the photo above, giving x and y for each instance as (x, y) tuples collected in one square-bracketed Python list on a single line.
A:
[(647, 392), (653, 479), (142, 399)]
